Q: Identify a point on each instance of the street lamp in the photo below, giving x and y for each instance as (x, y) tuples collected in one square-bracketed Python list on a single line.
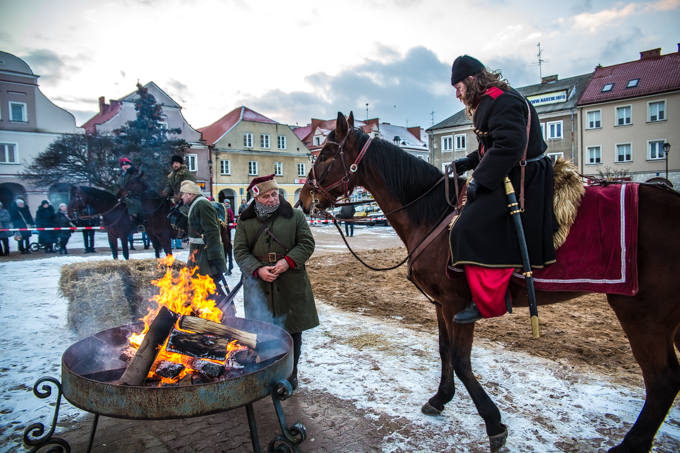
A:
[(210, 162), (666, 150)]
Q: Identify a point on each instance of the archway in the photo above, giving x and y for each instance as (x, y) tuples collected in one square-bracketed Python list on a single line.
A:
[(9, 190), (59, 193), (297, 195), (282, 194), (228, 194)]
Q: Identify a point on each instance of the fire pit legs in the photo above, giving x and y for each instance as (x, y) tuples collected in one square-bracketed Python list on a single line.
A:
[(293, 436), (37, 429)]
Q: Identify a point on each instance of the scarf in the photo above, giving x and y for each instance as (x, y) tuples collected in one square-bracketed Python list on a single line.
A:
[(263, 211)]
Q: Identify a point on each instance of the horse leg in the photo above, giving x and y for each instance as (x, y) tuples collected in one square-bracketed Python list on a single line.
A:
[(126, 250), (651, 334), (113, 243), (156, 245), (461, 341), (447, 387)]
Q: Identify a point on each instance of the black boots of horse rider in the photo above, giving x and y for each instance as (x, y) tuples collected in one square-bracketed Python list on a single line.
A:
[(472, 314), (297, 349), (139, 220)]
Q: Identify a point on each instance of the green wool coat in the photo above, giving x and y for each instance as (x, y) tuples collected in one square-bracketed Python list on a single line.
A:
[(203, 222), (176, 178), (288, 301)]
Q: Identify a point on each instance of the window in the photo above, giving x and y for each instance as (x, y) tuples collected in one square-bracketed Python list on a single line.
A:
[(163, 126), (447, 144), (264, 141), (225, 167), (460, 142), (607, 87), (657, 111), (8, 153), (190, 159), (301, 169), (555, 130), (624, 152), (553, 156), (542, 129), (247, 140), (623, 115), (655, 150), (252, 168), (17, 112), (633, 83), (594, 119), (278, 168), (317, 141), (282, 141), (594, 155)]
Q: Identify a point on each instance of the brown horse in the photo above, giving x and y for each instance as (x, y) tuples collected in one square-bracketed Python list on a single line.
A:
[(650, 319)]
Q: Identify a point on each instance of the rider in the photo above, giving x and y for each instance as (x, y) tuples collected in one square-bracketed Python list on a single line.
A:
[(483, 239), (176, 177), (132, 201)]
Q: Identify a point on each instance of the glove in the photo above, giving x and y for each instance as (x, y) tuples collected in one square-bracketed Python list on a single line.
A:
[(164, 194), (463, 164), (217, 265), (472, 189)]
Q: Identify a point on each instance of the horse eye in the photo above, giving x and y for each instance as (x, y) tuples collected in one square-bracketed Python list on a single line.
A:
[(322, 158)]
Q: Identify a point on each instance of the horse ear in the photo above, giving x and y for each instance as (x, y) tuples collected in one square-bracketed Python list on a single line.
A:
[(341, 127), (350, 120)]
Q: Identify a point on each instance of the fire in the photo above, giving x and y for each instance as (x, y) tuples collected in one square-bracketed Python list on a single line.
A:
[(186, 294)]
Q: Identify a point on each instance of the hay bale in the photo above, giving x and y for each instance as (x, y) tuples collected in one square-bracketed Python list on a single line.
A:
[(106, 294)]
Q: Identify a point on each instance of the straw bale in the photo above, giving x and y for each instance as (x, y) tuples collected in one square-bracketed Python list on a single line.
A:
[(106, 294)]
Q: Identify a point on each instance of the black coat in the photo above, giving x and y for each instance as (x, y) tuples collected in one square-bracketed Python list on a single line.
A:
[(44, 218), (347, 212), (62, 221), (21, 218), (484, 234)]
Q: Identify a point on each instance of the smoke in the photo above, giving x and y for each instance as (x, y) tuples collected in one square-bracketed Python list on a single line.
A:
[(256, 305)]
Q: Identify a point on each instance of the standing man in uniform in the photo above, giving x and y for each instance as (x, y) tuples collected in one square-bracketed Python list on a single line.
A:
[(206, 252), (271, 246), (483, 239)]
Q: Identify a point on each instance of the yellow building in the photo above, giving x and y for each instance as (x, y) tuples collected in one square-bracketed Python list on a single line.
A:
[(244, 145)]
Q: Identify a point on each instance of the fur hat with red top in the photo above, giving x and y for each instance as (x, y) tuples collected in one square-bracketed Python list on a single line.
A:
[(263, 184), (123, 161)]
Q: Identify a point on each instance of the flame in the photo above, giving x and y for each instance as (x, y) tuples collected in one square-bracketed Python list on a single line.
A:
[(186, 294)]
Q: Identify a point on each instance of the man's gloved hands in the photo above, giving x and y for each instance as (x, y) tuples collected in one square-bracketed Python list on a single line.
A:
[(217, 265), (472, 190), (463, 164)]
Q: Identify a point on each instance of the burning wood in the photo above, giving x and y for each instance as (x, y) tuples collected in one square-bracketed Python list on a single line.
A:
[(169, 370), (197, 345), (205, 326), (208, 368)]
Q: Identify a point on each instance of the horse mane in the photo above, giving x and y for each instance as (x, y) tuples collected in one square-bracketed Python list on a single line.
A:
[(406, 178), (99, 194)]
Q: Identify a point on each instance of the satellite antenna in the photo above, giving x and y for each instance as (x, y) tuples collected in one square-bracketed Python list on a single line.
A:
[(432, 113), (540, 60)]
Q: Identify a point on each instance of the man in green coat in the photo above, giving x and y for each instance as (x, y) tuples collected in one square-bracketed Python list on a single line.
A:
[(206, 252), (275, 281), (176, 177)]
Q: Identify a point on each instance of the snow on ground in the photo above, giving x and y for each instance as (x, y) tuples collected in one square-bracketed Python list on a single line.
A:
[(382, 368)]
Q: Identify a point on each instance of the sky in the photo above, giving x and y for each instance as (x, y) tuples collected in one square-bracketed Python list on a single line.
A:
[(293, 61)]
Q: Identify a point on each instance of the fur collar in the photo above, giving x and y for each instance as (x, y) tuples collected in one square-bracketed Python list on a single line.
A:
[(285, 210)]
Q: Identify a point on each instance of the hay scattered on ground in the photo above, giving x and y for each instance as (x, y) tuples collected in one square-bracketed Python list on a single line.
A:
[(106, 294)]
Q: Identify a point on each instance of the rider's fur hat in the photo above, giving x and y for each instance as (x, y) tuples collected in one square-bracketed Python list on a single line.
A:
[(190, 187), (263, 184), (124, 160), (463, 67), (177, 158)]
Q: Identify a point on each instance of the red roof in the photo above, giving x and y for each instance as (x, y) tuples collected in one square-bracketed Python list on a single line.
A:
[(214, 132), (106, 113), (303, 131), (656, 75)]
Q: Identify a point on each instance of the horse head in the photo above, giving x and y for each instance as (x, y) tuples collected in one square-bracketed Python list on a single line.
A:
[(333, 175), (135, 185), (76, 203)]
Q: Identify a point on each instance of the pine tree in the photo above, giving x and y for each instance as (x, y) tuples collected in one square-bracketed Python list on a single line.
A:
[(146, 142)]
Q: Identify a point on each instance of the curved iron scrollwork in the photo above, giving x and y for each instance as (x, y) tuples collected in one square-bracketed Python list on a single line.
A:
[(293, 436), (33, 435)]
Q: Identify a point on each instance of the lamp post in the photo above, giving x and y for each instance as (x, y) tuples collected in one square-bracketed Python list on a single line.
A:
[(666, 150), (210, 162)]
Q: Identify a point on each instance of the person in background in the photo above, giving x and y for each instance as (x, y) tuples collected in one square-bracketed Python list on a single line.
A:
[(176, 243), (347, 213), (5, 222), (176, 177), (90, 219), (44, 218), (62, 221), (21, 218), (275, 281), (132, 201), (243, 206), (230, 222), (131, 241), (146, 241)]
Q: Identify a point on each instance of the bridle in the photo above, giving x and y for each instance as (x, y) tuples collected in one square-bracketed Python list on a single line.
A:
[(315, 183)]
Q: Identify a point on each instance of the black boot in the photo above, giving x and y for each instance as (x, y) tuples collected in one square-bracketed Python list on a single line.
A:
[(297, 349), (470, 314)]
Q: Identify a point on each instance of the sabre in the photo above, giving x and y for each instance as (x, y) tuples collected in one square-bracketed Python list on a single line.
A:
[(514, 213)]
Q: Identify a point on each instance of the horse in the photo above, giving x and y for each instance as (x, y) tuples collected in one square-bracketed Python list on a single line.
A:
[(116, 220), (650, 319)]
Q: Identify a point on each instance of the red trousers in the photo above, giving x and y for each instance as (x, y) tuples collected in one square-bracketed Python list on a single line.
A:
[(488, 286)]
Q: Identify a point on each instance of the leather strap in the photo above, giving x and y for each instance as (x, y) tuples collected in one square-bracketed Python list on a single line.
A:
[(271, 258), (269, 232)]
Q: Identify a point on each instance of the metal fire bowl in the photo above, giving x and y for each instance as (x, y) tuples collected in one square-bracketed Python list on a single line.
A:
[(87, 364)]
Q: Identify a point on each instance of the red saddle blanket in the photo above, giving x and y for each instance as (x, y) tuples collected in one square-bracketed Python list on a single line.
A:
[(600, 252)]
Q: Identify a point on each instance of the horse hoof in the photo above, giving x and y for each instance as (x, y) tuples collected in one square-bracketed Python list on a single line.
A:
[(429, 409), (498, 440)]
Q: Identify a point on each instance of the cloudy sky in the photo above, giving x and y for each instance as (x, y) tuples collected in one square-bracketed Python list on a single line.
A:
[(294, 60)]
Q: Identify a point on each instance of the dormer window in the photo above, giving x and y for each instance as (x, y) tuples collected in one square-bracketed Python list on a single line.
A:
[(633, 83), (607, 87), (396, 139)]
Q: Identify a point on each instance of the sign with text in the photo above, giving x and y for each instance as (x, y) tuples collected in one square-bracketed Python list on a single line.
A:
[(548, 98)]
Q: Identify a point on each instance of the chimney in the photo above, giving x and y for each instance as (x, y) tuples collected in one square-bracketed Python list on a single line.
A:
[(549, 79), (416, 131), (102, 104), (650, 53)]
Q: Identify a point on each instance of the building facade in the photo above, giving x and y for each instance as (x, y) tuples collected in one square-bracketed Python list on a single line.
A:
[(244, 144), (29, 123), (629, 112), (118, 112)]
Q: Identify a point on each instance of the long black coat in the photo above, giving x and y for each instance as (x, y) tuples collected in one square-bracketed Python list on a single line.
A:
[(485, 234), (44, 218), (21, 218)]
